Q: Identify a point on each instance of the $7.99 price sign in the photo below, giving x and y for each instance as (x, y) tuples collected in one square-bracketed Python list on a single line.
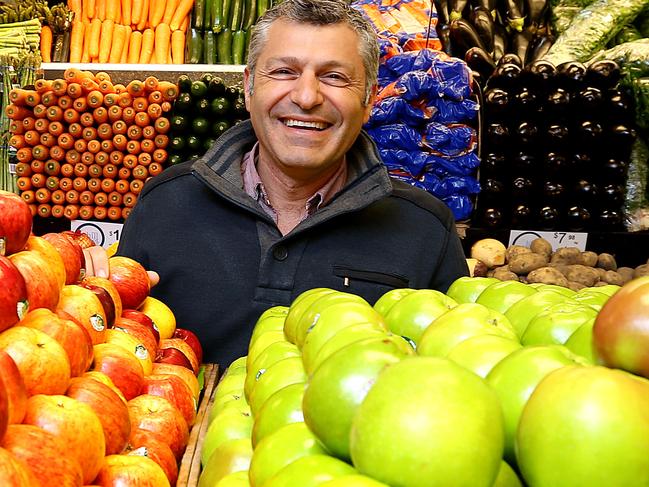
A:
[(556, 239)]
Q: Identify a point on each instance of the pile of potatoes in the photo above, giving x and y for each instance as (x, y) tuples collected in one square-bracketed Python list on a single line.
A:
[(567, 266)]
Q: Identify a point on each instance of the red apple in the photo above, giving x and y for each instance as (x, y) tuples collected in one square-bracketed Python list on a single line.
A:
[(192, 340), (130, 279), (4, 408), (42, 361), (141, 332), (106, 301), (104, 379), (13, 294), (76, 424), (109, 408), (140, 317), (173, 356), (144, 443), (73, 337), (185, 348), (85, 307), (174, 389), (15, 473), (108, 286), (119, 337), (52, 256), (42, 283), (71, 254), (83, 239), (133, 470), (184, 372), (14, 386), (123, 368), (45, 454), (157, 415), (15, 223)]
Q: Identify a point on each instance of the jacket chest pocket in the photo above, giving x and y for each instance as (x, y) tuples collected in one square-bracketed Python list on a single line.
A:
[(358, 278)]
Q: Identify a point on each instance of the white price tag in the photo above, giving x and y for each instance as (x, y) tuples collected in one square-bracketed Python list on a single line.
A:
[(12, 168), (556, 239), (103, 233)]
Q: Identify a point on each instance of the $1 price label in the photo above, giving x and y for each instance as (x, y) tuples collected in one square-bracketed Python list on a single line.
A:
[(556, 239), (102, 233)]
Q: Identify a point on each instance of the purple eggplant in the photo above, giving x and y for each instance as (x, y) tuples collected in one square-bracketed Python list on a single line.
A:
[(464, 37), (500, 42), (512, 58), (444, 36), (441, 6), (478, 60), (484, 25), (536, 11), (539, 46), (520, 42)]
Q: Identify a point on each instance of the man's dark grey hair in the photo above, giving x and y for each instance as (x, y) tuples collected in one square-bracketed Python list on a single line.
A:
[(319, 12)]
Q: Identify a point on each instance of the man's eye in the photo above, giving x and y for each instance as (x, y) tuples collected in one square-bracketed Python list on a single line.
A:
[(335, 79), (282, 72)]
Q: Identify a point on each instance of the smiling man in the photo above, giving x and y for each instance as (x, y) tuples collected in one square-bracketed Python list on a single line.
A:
[(293, 199)]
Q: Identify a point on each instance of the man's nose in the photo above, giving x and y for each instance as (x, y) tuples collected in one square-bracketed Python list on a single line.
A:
[(306, 91)]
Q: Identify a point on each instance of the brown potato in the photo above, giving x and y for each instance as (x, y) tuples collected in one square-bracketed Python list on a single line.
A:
[(575, 286), (601, 272), (626, 273), (613, 277), (566, 255), (588, 258), (515, 250), (641, 270), (525, 263), (505, 274), (541, 246), (547, 275), (587, 276), (563, 268), (606, 261)]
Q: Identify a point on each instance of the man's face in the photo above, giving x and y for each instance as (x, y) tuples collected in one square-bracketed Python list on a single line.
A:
[(307, 101)]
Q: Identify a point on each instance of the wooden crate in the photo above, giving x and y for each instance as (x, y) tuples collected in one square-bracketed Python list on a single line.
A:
[(190, 465)]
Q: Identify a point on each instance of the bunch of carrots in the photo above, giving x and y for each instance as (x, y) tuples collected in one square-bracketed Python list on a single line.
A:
[(129, 31), (86, 146)]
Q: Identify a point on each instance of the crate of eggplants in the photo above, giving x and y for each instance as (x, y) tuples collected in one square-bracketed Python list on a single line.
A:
[(482, 31), (203, 110)]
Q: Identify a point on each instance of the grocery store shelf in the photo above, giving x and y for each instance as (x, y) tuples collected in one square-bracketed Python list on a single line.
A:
[(124, 73)]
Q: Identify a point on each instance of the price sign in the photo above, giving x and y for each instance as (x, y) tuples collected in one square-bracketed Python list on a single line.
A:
[(556, 239), (103, 233)]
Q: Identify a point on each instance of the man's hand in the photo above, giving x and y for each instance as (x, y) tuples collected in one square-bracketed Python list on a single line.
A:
[(97, 264)]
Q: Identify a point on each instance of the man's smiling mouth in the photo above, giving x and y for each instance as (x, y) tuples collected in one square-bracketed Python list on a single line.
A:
[(290, 122)]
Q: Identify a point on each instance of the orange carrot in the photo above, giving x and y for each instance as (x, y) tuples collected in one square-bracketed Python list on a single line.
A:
[(127, 9), (18, 96), (15, 112), (113, 10), (140, 103), (119, 37), (95, 32), (89, 85), (144, 15), (156, 12), (169, 10), (59, 87), (75, 6), (168, 89), (127, 39), (184, 25), (42, 85), (87, 34), (125, 100), (146, 50), (74, 90), (76, 41), (178, 47), (106, 40), (161, 43), (134, 48), (136, 11), (95, 98), (46, 44), (182, 11)]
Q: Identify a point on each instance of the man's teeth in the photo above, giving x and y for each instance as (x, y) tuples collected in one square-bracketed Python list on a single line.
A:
[(303, 124)]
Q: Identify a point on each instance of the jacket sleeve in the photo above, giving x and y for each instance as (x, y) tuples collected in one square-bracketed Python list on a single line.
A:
[(452, 263)]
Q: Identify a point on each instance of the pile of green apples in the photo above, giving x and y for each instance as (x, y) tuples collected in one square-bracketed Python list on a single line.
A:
[(495, 383)]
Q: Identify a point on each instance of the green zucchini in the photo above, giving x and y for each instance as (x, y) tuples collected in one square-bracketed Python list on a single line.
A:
[(183, 103), (209, 47), (224, 46), (175, 159), (179, 123), (238, 47), (207, 143), (236, 15), (198, 14), (216, 15), (227, 9), (219, 127), (193, 143), (207, 16), (262, 6), (251, 14), (184, 83), (203, 106), (219, 106), (216, 87), (195, 46), (198, 89), (178, 143)]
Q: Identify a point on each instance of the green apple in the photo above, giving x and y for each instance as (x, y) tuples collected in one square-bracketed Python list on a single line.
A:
[(299, 305), (557, 323), (387, 300), (263, 341), (310, 471), (231, 456), (344, 337), (280, 374), (586, 426), (502, 295), (521, 313), (229, 424), (231, 383), (566, 291), (593, 299), (515, 377), (507, 477), (466, 289), (236, 400), (427, 421), (354, 480), (235, 479), (271, 319), (271, 354), (339, 385), (481, 353), (609, 289), (413, 313), (282, 408), (280, 448), (581, 341), (464, 321), (314, 313), (237, 365)]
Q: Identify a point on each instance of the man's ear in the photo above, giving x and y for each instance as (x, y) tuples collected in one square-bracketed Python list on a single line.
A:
[(370, 103), (246, 87)]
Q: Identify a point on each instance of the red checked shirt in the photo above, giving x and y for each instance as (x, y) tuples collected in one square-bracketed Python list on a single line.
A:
[(254, 187)]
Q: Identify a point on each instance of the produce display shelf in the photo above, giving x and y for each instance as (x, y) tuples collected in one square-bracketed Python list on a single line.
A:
[(190, 465)]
